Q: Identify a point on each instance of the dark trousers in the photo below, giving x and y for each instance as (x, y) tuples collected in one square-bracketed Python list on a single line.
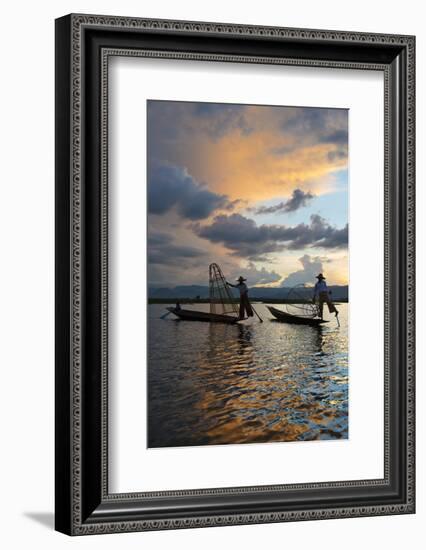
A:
[(245, 307), (324, 298)]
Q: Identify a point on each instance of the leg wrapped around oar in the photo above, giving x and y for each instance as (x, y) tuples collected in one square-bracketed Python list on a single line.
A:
[(324, 298), (245, 306)]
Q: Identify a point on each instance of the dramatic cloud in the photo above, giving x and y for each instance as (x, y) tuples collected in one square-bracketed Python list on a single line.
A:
[(310, 126), (249, 151), (172, 253), (337, 155), (218, 119), (172, 120), (338, 137), (245, 238), (256, 276), (158, 239), (211, 166), (311, 267), (318, 125), (171, 186), (299, 199), (162, 250), (169, 263)]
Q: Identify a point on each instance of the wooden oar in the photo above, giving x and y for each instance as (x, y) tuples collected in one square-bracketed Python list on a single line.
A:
[(165, 315), (257, 315)]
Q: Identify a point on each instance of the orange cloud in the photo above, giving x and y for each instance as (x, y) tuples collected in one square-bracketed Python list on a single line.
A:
[(253, 154), (247, 167)]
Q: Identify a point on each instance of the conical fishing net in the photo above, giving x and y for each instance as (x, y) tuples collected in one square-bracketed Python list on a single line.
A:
[(301, 305), (221, 300)]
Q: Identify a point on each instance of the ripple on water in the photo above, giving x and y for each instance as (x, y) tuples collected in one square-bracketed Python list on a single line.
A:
[(247, 383)]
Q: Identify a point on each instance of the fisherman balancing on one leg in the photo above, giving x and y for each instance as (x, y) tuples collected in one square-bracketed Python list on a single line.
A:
[(322, 295), (245, 307)]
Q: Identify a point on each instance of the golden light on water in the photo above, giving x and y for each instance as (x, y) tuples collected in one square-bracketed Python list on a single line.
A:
[(252, 383)]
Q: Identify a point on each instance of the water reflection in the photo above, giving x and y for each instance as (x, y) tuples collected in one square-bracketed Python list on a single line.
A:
[(217, 384)]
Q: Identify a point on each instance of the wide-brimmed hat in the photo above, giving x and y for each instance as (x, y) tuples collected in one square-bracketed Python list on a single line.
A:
[(320, 276), (241, 279)]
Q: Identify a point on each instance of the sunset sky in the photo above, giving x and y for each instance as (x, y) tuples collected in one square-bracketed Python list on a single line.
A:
[(262, 191)]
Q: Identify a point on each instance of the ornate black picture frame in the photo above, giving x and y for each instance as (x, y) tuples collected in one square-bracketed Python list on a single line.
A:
[(83, 45)]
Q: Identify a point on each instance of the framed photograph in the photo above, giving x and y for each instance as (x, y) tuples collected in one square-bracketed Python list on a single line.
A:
[(234, 274)]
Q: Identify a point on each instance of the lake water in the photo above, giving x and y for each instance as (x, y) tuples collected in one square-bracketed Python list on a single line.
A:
[(213, 384)]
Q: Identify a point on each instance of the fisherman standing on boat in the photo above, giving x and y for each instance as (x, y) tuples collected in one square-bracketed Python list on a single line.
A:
[(245, 307), (322, 294)]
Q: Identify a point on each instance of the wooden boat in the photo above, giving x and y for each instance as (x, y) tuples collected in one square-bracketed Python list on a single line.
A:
[(294, 319), (190, 315), (223, 308)]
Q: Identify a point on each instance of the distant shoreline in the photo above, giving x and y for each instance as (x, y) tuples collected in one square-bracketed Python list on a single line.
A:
[(255, 300)]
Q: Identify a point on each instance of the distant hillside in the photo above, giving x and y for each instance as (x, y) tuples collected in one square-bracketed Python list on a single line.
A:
[(192, 292)]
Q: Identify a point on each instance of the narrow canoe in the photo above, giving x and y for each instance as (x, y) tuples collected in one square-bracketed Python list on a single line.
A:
[(294, 319), (190, 315)]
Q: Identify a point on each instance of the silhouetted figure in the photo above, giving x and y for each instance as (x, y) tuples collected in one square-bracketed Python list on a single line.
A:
[(322, 295), (245, 307), (177, 306)]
